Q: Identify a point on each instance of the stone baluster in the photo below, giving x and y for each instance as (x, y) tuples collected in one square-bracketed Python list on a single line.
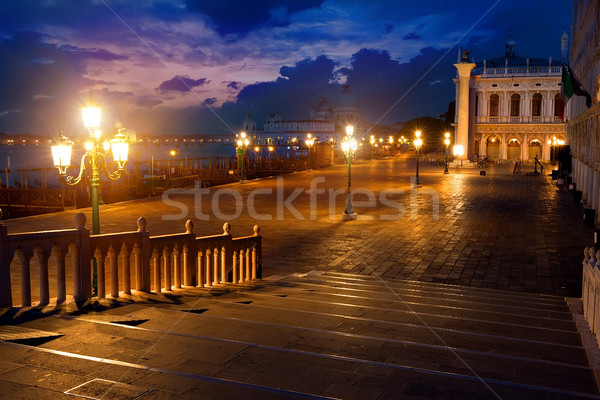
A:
[(248, 266), (124, 253), (187, 266), (143, 264), (234, 278), (254, 263), (223, 265), (594, 307), (258, 247), (177, 266), (591, 297), (42, 257), (61, 288), (186, 258), (215, 266), (114, 272), (23, 261), (101, 274), (585, 282), (156, 269), (200, 270), (208, 273), (241, 265), (167, 268), (82, 260)]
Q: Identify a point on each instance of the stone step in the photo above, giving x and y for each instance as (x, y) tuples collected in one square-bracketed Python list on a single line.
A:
[(332, 336)]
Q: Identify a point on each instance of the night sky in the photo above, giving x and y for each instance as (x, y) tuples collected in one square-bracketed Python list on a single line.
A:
[(198, 67)]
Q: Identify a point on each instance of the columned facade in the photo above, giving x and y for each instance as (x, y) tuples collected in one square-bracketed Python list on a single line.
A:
[(512, 105), (582, 130)]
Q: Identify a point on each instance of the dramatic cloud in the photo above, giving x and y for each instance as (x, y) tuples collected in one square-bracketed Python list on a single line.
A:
[(411, 36), (240, 18), (181, 84), (148, 101), (97, 54), (264, 57), (233, 85)]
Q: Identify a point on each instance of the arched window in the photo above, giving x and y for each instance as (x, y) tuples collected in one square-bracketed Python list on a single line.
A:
[(557, 104), (536, 105), (477, 105), (515, 101), (494, 102)]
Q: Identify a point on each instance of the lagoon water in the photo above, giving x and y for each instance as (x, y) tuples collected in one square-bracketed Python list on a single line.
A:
[(18, 157)]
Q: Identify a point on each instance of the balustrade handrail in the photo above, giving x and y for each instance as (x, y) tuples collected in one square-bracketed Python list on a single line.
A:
[(160, 263)]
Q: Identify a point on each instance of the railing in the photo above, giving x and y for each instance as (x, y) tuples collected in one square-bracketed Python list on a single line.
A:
[(124, 261), (55, 199), (518, 71), (590, 290), (519, 120)]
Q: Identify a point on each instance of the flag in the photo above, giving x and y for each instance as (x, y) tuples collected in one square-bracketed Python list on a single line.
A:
[(571, 86)]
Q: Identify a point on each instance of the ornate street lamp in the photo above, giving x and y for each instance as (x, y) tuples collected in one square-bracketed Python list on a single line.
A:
[(94, 158), (447, 143), (349, 146), (242, 145), (418, 142), (309, 143)]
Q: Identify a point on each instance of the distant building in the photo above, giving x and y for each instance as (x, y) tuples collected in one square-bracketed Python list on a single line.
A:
[(326, 123), (583, 126), (508, 107)]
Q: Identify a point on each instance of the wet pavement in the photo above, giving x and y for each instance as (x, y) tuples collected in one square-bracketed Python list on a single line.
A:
[(500, 231)]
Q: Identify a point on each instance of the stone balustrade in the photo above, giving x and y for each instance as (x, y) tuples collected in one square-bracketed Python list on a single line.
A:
[(123, 261), (590, 290)]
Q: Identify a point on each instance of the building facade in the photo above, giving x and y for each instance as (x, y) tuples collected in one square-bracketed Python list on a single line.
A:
[(508, 108), (326, 123), (583, 126)]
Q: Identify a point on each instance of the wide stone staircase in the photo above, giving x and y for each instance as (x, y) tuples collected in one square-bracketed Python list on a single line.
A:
[(315, 335)]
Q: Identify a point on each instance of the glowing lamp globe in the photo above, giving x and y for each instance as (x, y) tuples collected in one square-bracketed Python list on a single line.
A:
[(120, 149), (349, 130)]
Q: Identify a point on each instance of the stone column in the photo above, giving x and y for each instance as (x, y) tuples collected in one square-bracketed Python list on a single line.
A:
[(482, 146), (595, 190), (462, 106), (503, 147), (525, 147)]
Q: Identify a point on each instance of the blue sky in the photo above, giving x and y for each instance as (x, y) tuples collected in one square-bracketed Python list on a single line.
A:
[(198, 67)]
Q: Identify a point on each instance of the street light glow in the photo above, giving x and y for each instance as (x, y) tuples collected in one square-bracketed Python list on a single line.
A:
[(349, 130)]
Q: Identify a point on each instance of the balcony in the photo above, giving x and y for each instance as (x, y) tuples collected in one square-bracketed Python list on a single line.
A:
[(518, 71), (518, 120)]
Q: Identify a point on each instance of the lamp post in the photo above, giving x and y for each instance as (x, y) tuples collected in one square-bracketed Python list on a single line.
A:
[(93, 160), (309, 143), (447, 143), (242, 145), (349, 146), (372, 141), (418, 142)]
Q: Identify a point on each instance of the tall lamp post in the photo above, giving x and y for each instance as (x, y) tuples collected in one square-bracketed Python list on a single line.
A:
[(242, 145), (349, 146), (372, 141), (418, 142), (447, 143), (309, 143), (93, 160)]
